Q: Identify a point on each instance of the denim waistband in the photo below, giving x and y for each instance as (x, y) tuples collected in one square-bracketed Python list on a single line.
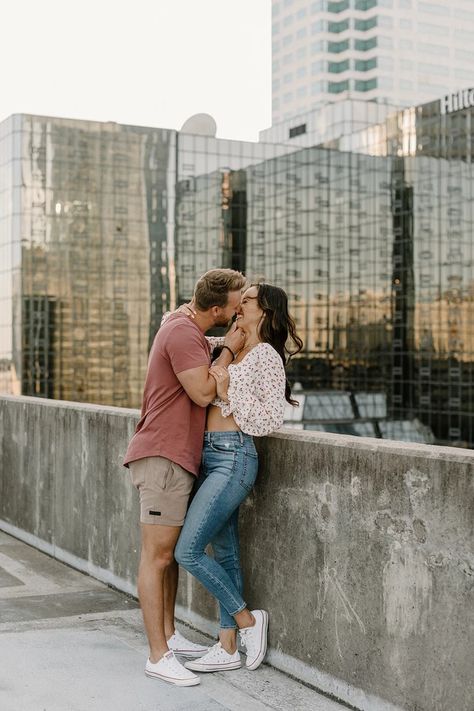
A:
[(239, 436)]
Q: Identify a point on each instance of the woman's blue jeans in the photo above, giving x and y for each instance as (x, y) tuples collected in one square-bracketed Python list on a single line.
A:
[(228, 472)]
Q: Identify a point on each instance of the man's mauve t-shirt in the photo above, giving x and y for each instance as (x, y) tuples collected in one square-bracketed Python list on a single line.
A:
[(171, 424)]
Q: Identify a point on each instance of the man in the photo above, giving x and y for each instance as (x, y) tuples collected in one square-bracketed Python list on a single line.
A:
[(165, 452)]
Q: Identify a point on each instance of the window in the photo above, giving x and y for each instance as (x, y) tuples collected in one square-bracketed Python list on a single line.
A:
[(301, 72), (405, 24), (433, 9), (301, 92), (385, 63), (301, 13), (385, 42), (427, 48), (335, 87), (318, 6), (338, 6), (301, 33), (431, 69), (365, 85), (288, 21), (364, 45), (429, 29), (318, 46), (318, 26), (365, 4), (297, 130), (338, 26), (364, 25), (336, 47), (275, 28), (318, 67), (301, 53), (337, 67), (318, 87), (364, 65)]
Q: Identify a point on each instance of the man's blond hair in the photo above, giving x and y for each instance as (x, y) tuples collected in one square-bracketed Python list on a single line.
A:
[(213, 288)]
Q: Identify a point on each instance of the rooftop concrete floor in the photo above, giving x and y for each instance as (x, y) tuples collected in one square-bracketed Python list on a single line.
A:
[(70, 643)]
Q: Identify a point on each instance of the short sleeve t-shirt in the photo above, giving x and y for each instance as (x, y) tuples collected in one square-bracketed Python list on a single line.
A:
[(171, 424)]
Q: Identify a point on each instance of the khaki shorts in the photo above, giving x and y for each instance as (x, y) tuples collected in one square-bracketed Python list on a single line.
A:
[(164, 489)]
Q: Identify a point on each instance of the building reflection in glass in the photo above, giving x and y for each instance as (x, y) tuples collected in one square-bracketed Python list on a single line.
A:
[(103, 227)]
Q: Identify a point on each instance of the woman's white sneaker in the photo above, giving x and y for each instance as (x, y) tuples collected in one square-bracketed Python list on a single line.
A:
[(254, 639), (217, 659), (180, 645), (170, 670)]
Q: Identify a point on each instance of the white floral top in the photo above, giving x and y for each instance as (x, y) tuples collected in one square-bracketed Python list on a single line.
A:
[(256, 390)]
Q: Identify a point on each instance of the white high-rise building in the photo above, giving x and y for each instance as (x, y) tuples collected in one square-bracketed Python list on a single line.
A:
[(401, 52)]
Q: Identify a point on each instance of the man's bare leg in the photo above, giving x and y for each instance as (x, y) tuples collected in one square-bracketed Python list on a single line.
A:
[(158, 544), (171, 589)]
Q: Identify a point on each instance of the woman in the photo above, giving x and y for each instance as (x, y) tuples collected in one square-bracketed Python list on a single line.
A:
[(250, 400)]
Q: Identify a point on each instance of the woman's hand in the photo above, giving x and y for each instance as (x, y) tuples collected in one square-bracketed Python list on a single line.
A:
[(221, 376), (189, 309), (234, 338)]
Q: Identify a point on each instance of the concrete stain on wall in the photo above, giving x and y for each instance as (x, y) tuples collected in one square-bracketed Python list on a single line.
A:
[(407, 591), (418, 486)]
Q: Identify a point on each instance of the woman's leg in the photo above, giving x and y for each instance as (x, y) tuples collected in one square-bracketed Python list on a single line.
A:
[(226, 549), (219, 495)]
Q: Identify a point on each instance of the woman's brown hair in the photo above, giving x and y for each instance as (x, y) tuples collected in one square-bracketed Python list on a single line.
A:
[(278, 327)]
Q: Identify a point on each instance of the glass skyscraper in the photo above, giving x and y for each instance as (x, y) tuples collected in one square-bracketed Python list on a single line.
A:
[(399, 52), (103, 227)]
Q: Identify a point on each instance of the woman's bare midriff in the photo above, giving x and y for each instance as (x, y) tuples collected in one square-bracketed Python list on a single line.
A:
[(216, 423)]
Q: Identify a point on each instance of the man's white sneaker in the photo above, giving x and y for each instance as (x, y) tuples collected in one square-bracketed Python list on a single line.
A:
[(180, 645), (254, 639), (170, 670), (217, 659)]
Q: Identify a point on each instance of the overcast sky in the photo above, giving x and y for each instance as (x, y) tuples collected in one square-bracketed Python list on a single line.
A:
[(145, 62)]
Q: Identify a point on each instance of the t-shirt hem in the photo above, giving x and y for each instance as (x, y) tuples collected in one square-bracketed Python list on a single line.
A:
[(199, 365), (173, 459)]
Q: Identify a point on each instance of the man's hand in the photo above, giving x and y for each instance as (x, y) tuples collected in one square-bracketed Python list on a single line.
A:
[(234, 339), (221, 376)]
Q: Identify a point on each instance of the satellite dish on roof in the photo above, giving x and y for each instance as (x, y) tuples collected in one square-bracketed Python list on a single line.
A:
[(200, 125)]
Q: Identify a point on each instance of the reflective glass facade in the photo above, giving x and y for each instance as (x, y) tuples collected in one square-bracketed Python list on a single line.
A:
[(103, 227)]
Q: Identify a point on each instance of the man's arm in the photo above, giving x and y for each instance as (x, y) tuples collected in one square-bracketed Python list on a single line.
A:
[(198, 384)]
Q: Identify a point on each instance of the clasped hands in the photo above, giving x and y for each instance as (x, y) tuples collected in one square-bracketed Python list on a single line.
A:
[(234, 340)]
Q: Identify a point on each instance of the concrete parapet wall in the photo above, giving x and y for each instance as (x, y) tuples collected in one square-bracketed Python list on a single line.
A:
[(361, 549)]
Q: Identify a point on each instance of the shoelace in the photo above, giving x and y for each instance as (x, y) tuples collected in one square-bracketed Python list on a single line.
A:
[(246, 639)]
